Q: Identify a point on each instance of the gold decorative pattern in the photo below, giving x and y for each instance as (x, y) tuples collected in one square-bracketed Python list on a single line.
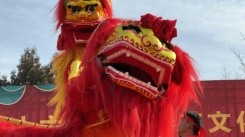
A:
[(146, 42)]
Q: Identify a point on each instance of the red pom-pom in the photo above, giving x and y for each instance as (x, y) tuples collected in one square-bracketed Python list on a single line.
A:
[(163, 29)]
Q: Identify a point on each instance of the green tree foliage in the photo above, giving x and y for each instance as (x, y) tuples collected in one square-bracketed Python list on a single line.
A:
[(4, 81), (29, 70), (13, 78), (47, 77)]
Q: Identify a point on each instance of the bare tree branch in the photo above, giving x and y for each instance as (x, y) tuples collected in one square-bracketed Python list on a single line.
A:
[(240, 72), (225, 74), (242, 35), (239, 57)]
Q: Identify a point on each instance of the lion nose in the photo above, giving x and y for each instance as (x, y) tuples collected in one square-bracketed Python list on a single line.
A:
[(82, 16)]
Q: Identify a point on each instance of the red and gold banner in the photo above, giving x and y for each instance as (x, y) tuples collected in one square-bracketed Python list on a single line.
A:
[(222, 106)]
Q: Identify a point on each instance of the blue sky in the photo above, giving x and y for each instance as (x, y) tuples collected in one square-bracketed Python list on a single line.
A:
[(206, 30)]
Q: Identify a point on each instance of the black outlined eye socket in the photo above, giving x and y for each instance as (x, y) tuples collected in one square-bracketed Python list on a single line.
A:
[(74, 9), (91, 8), (136, 29)]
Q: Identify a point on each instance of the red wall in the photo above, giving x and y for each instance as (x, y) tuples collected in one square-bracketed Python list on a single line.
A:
[(32, 105), (222, 107)]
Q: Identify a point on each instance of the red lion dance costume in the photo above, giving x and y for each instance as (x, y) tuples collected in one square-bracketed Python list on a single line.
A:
[(115, 77)]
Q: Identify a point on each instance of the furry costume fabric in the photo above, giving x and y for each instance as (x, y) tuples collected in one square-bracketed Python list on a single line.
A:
[(94, 105), (130, 114)]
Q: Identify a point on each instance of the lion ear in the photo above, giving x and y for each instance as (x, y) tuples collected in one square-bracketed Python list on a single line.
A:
[(59, 13), (108, 7)]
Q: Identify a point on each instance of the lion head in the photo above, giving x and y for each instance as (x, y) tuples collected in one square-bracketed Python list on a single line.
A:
[(132, 71)]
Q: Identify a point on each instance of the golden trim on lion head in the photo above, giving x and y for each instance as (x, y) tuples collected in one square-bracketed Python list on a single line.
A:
[(135, 58)]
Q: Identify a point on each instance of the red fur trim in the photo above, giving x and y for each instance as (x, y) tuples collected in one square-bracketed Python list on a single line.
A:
[(60, 13), (108, 7), (130, 113), (163, 29), (81, 99), (66, 40), (99, 37), (185, 82), (9, 130)]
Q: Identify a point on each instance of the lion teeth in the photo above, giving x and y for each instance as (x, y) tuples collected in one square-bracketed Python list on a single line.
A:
[(133, 55), (128, 54), (113, 69), (148, 84), (117, 54), (126, 75), (143, 83), (158, 68), (154, 88), (134, 80), (120, 73), (139, 82)]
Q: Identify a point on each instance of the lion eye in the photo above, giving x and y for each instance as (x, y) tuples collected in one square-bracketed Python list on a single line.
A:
[(136, 29), (74, 9), (91, 8)]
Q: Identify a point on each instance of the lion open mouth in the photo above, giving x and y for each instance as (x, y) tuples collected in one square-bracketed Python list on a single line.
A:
[(132, 68)]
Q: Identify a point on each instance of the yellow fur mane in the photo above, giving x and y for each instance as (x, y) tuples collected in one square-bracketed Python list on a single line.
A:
[(60, 63)]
